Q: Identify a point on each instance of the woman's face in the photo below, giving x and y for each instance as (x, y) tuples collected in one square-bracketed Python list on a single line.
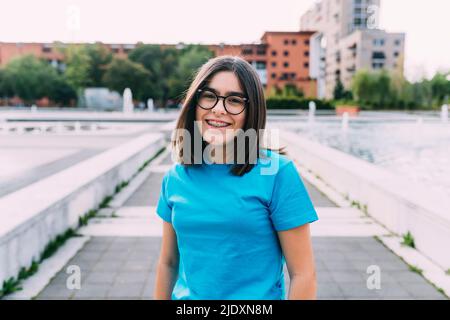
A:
[(218, 126)]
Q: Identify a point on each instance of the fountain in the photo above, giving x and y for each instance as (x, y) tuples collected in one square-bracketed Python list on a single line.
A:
[(59, 127), (312, 111), (444, 113), (150, 105), (345, 119), (128, 106), (77, 127)]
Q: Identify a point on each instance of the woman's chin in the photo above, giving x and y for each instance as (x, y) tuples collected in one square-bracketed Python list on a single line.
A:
[(217, 138)]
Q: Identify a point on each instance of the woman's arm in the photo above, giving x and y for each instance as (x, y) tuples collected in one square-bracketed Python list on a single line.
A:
[(297, 250), (167, 269)]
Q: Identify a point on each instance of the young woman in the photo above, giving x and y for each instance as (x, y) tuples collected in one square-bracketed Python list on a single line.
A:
[(232, 214)]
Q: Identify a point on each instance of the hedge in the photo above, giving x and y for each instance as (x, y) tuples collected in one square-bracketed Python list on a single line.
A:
[(297, 103)]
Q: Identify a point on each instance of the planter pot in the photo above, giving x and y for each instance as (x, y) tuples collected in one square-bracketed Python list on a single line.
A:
[(352, 110)]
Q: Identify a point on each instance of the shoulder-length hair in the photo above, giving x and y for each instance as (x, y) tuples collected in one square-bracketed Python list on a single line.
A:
[(255, 113)]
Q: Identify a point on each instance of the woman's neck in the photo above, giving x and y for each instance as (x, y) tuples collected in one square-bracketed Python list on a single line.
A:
[(221, 154)]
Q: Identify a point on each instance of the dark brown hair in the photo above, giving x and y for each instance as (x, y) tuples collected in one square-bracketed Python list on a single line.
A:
[(255, 113)]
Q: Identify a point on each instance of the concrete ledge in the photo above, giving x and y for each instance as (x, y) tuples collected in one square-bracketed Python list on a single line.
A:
[(33, 216), (399, 204), (88, 116)]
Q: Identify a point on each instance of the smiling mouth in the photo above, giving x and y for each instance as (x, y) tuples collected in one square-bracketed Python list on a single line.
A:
[(217, 124)]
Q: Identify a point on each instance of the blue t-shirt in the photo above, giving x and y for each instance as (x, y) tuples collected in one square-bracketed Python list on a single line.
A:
[(226, 226)]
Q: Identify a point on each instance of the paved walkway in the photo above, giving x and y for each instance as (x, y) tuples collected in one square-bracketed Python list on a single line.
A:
[(120, 259)]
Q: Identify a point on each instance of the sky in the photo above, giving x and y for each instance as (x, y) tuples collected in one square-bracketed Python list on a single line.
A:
[(425, 22)]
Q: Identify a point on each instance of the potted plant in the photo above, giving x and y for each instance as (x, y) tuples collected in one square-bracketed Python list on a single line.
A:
[(347, 106)]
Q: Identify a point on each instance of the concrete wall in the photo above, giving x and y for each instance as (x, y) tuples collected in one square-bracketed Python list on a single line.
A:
[(396, 202), (33, 216)]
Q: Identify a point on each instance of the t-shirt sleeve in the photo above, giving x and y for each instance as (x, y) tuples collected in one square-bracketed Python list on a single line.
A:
[(290, 205), (164, 208)]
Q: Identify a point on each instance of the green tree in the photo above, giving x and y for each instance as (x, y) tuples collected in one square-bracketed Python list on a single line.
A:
[(99, 59), (123, 73), (439, 88), (150, 56), (78, 71), (382, 89), (190, 59), (29, 78), (363, 86), (170, 69)]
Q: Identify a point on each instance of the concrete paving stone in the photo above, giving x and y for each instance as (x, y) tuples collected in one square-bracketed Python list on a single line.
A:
[(89, 255), (96, 247), (422, 291), (362, 265), (100, 277), (115, 256), (108, 265), (60, 278), (320, 265), (340, 265), (124, 241), (406, 277), (324, 276), (347, 277), (102, 240), (126, 290), (92, 290), (358, 290), (328, 290), (391, 290), (330, 255), (59, 291), (137, 266), (132, 277)]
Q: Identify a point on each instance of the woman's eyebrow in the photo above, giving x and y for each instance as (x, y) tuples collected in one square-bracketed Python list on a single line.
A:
[(226, 93)]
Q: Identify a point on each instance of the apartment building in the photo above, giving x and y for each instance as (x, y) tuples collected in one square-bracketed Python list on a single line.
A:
[(347, 39), (281, 58)]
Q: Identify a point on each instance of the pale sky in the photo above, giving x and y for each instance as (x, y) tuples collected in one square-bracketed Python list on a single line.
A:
[(426, 23)]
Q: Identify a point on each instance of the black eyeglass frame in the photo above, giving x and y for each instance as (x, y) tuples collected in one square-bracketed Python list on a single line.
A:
[(223, 101)]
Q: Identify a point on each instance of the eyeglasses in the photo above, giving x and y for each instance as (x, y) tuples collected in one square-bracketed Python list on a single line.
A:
[(233, 104)]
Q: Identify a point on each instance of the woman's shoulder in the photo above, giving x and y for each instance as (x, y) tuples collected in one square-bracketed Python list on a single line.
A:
[(274, 157)]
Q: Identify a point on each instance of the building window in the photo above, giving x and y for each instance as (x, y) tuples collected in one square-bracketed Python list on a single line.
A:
[(397, 42), (286, 64), (286, 53), (286, 41), (260, 65), (293, 75), (273, 75), (378, 42), (274, 53), (274, 64), (294, 42), (46, 49), (306, 65), (306, 53), (247, 51), (377, 65), (378, 55), (306, 42), (261, 52), (396, 54)]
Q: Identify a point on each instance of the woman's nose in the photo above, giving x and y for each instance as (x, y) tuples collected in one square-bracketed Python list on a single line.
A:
[(219, 107)]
